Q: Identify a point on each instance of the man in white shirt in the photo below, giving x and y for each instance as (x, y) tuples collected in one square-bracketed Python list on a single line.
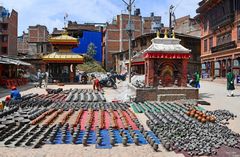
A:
[(46, 78)]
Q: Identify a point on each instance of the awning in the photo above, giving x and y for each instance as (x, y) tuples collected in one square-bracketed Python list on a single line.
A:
[(7, 60), (2, 62)]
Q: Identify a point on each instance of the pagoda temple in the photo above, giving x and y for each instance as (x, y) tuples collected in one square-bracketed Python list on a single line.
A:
[(61, 64)]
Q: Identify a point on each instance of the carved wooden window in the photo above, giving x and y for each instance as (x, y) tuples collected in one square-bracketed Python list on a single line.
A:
[(238, 33), (205, 45), (210, 43)]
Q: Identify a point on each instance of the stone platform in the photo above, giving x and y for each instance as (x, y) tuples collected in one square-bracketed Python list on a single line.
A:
[(165, 93)]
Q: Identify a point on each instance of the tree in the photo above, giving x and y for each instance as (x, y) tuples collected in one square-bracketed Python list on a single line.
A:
[(91, 51)]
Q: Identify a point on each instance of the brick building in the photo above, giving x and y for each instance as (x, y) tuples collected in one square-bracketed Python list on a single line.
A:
[(8, 32), (187, 25), (38, 39), (35, 42), (22, 44), (115, 37), (75, 29), (220, 36)]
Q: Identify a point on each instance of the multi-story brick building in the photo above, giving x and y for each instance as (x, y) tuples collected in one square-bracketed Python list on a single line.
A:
[(38, 39), (22, 44), (115, 36), (220, 36), (35, 42), (187, 25), (8, 32)]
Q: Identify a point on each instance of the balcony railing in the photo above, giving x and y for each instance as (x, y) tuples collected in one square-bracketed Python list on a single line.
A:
[(226, 46), (220, 22)]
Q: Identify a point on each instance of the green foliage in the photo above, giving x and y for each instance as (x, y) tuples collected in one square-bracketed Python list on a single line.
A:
[(90, 66), (91, 51)]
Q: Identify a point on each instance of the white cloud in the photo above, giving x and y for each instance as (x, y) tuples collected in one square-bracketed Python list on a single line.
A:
[(51, 12)]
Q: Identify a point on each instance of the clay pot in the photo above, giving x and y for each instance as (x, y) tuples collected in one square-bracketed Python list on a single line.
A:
[(204, 115), (199, 118), (196, 115), (192, 114), (207, 118), (212, 119), (203, 120)]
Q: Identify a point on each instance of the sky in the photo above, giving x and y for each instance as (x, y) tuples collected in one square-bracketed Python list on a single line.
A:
[(51, 12)]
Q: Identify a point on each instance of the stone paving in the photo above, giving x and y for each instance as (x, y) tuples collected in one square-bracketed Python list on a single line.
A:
[(216, 94)]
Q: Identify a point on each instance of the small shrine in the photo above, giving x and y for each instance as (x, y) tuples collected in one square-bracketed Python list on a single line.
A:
[(62, 63), (166, 62)]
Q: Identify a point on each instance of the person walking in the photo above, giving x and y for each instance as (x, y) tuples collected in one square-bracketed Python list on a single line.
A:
[(39, 77), (230, 83), (197, 80), (46, 78)]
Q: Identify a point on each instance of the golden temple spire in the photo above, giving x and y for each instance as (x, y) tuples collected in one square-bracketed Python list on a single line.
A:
[(173, 34), (165, 34), (158, 34)]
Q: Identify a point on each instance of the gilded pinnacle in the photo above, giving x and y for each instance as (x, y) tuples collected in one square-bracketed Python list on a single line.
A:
[(173, 34), (158, 34), (165, 34)]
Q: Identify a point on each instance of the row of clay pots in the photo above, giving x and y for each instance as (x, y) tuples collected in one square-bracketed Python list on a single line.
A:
[(85, 97), (78, 117), (52, 117), (200, 116), (151, 141), (42, 116), (76, 133), (89, 119), (41, 138), (25, 135), (101, 118), (123, 119), (66, 116), (113, 122), (16, 134), (11, 130)]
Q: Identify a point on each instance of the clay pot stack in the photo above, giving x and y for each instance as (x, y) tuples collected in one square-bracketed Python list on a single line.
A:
[(52, 117), (200, 116), (66, 116), (89, 120), (42, 116), (101, 117), (78, 117), (76, 134), (113, 123), (123, 119), (180, 132)]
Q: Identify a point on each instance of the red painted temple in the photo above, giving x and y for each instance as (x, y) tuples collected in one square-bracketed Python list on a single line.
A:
[(166, 63)]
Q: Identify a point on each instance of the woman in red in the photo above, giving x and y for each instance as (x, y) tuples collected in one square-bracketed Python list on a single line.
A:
[(96, 83)]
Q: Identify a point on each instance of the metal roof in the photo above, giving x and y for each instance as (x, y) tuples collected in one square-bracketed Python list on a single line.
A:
[(7, 60)]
